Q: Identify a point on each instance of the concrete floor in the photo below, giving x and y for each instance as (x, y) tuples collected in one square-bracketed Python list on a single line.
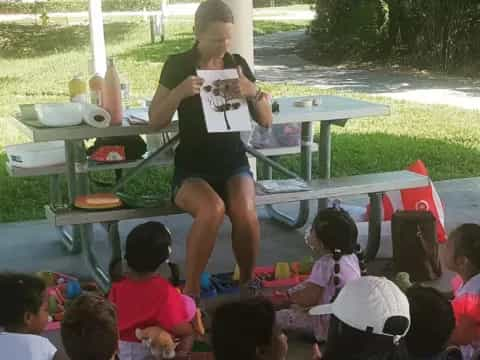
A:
[(33, 246)]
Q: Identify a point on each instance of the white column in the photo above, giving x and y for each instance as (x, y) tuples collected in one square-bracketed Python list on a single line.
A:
[(242, 43), (243, 28), (97, 38)]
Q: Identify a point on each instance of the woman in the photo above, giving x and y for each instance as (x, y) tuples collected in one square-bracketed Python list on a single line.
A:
[(212, 177)]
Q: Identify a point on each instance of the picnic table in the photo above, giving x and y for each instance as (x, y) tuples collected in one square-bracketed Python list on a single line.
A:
[(331, 110)]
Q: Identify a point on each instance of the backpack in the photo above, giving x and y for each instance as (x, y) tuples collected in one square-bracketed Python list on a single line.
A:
[(415, 246)]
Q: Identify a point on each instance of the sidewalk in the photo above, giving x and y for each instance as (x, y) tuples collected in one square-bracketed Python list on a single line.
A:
[(277, 59)]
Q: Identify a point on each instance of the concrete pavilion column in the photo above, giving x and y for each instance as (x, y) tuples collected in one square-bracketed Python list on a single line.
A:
[(97, 37), (243, 28), (242, 43)]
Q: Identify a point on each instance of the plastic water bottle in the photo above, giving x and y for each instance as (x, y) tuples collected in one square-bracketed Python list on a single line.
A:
[(78, 90)]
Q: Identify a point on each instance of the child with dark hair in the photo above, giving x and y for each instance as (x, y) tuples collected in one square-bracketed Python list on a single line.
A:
[(142, 297), (89, 329), (333, 237), (368, 321), (23, 316), (432, 323), (246, 330), (462, 255)]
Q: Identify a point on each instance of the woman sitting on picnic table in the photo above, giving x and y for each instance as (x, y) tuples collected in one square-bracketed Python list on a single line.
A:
[(212, 176)]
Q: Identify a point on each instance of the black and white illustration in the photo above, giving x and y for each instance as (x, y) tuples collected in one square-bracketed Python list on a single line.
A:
[(224, 110)]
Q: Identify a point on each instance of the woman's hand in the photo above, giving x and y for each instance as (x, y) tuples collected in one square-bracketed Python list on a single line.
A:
[(244, 87), (189, 87)]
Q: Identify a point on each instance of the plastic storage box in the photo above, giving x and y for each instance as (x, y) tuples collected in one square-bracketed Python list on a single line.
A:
[(33, 155)]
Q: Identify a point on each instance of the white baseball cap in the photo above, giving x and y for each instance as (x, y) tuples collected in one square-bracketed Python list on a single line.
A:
[(371, 304)]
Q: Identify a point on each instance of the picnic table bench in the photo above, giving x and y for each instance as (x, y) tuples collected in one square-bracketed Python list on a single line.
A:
[(333, 110)]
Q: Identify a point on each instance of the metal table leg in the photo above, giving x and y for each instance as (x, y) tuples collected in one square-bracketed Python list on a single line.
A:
[(374, 226), (90, 259), (114, 240), (324, 156), (306, 174), (70, 239)]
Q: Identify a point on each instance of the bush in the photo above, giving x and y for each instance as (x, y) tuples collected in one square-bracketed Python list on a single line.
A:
[(349, 28), (442, 34)]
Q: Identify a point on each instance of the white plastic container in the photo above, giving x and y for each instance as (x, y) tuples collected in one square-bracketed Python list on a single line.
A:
[(62, 114), (33, 155)]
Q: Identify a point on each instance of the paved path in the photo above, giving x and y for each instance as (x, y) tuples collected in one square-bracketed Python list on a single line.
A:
[(277, 60)]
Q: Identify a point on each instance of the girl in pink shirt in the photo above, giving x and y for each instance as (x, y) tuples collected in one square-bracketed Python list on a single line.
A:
[(333, 236)]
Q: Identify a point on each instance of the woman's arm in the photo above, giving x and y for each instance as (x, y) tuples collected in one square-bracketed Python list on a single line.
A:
[(165, 102), (262, 111), (309, 295)]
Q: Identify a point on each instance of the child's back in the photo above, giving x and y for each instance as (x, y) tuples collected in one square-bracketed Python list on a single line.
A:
[(143, 298), (143, 303)]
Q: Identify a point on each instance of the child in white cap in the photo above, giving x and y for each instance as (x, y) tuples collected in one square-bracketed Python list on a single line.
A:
[(368, 320)]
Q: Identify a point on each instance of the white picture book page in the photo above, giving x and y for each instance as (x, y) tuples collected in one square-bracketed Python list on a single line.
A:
[(223, 110)]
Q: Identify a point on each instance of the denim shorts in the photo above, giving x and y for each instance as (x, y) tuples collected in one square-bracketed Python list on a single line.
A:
[(217, 182)]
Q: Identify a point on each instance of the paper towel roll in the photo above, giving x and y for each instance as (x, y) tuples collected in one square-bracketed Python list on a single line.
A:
[(96, 116)]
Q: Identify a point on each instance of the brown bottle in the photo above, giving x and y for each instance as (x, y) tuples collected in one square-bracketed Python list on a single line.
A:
[(111, 95)]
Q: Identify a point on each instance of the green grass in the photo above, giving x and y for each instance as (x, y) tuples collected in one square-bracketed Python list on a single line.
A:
[(33, 68)]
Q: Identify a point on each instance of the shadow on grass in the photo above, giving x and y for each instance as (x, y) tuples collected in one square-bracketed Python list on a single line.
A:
[(354, 154), (23, 198), (28, 41), (158, 52)]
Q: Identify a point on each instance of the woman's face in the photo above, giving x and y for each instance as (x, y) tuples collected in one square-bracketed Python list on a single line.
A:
[(216, 39)]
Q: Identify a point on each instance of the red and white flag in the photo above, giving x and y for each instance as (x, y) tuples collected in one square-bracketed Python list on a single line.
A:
[(424, 198)]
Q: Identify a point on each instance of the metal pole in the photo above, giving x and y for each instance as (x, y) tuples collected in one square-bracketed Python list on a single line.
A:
[(324, 155), (131, 174)]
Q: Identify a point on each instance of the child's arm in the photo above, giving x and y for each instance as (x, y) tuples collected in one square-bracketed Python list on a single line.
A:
[(182, 330), (309, 295)]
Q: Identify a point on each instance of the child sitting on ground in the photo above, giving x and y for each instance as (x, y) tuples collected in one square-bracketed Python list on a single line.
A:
[(23, 316), (462, 255), (333, 237), (432, 324), (246, 330), (89, 329), (143, 298)]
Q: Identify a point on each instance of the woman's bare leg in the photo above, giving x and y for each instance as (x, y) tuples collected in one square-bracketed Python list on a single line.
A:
[(198, 198), (242, 211)]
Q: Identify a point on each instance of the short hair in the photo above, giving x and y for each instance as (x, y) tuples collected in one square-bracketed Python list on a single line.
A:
[(211, 11), (427, 307), (467, 242), (239, 327), (20, 293), (89, 329), (147, 247)]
